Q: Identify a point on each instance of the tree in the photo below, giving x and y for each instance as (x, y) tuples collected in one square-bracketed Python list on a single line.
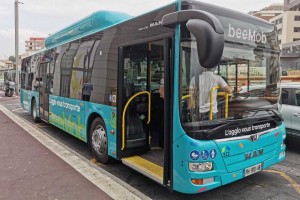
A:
[(12, 59)]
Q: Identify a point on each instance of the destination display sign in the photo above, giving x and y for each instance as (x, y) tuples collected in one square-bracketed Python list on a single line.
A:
[(228, 131)]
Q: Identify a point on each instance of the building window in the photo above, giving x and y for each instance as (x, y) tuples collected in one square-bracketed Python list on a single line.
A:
[(297, 18), (296, 39), (296, 29)]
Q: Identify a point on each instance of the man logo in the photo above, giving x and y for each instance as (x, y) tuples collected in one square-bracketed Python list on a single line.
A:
[(254, 137), (253, 154)]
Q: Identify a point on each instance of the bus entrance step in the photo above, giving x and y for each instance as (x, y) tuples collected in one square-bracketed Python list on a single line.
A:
[(149, 169)]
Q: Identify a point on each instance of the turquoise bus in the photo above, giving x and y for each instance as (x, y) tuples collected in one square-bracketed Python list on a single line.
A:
[(101, 80)]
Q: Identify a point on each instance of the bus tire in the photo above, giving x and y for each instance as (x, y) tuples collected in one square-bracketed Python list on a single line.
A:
[(98, 140), (34, 111)]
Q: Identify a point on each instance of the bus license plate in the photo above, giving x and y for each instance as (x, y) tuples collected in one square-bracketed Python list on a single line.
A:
[(253, 169)]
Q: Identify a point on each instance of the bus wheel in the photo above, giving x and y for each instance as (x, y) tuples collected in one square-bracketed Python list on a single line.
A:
[(34, 111), (98, 140)]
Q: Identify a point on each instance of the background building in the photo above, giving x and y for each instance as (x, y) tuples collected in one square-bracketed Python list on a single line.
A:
[(288, 26), (292, 5), (5, 65), (34, 44), (290, 56), (269, 12), (287, 22)]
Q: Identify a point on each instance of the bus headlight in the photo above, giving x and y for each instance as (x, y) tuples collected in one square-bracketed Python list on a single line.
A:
[(201, 167)]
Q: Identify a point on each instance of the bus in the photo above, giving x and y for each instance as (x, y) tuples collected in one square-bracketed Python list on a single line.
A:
[(101, 80)]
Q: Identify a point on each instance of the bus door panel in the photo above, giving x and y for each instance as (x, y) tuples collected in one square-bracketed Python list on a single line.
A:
[(143, 66), (44, 91), (142, 69), (136, 100)]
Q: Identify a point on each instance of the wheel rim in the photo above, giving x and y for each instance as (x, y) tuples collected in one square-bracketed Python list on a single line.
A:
[(99, 140), (34, 111)]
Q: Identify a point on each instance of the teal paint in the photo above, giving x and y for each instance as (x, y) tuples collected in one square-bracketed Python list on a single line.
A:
[(94, 23)]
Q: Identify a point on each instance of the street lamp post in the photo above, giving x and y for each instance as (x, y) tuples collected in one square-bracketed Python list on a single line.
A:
[(17, 43)]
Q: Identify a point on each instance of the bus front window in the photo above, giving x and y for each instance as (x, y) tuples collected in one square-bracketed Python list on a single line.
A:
[(252, 75)]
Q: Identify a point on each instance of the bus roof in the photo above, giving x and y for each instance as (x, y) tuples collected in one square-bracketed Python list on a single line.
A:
[(91, 24), (101, 20), (218, 10)]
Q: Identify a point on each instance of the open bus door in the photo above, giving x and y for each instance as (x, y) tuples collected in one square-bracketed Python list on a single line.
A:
[(144, 143)]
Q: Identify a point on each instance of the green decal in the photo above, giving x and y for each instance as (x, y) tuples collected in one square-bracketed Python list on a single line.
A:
[(113, 120)]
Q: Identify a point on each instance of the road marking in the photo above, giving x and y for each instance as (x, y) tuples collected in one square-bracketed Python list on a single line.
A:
[(288, 170), (111, 185), (96, 162), (293, 183), (42, 126), (16, 109)]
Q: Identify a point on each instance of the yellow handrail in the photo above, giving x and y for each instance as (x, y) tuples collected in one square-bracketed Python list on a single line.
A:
[(226, 95), (220, 94), (211, 99), (125, 109), (226, 105), (186, 96)]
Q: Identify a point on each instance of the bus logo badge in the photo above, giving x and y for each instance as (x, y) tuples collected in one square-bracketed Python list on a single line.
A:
[(254, 154), (254, 137), (195, 155)]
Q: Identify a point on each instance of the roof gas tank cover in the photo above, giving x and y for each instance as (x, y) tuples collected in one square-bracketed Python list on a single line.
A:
[(91, 24)]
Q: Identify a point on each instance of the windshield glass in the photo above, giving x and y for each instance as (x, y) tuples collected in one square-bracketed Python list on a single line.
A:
[(251, 74)]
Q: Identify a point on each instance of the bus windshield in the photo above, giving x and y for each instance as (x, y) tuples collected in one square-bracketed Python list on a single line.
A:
[(251, 73)]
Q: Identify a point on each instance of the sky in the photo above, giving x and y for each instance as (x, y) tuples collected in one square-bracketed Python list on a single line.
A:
[(39, 18)]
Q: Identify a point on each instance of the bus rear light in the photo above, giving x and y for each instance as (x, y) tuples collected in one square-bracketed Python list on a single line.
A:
[(201, 167)]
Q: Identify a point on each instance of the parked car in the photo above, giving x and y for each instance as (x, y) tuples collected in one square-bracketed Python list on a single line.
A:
[(290, 110), (290, 97)]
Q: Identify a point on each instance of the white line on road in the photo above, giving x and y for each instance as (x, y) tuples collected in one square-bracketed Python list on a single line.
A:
[(17, 109), (114, 187)]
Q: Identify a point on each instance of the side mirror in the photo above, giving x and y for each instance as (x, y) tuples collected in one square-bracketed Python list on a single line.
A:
[(207, 30), (210, 44)]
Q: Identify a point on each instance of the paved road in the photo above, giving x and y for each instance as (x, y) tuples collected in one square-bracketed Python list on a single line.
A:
[(280, 182)]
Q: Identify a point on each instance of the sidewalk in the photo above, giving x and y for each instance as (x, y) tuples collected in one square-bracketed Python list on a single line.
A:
[(28, 170)]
